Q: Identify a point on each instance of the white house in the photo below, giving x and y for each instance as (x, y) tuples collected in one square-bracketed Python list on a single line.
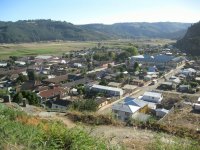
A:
[(63, 61), (78, 65), (112, 91), (124, 112), (130, 108), (3, 64), (175, 79), (196, 106), (152, 97), (22, 63), (198, 101)]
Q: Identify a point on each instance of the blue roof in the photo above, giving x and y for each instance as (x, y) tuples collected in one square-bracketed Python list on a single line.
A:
[(155, 58), (134, 102)]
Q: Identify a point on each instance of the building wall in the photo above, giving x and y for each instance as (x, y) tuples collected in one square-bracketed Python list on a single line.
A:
[(112, 93), (151, 99), (121, 115), (59, 107), (144, 109)]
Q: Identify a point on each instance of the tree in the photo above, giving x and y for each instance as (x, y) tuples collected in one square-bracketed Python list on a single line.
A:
[(18, 98), (31, 97), (85, 105), (22, 78), (133, 51), (111, 55), (103, 82), (136, 66), (31, 75)]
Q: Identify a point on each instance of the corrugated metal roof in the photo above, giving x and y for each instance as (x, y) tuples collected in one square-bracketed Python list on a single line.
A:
[(152, 94), (125, 108), (106, 88)]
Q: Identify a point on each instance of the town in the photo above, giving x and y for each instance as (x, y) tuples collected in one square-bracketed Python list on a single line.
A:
[(125, 82)]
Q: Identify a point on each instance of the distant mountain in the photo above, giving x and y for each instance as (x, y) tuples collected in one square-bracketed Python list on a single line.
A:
[(170, 30), (190, 43), (48, 30)]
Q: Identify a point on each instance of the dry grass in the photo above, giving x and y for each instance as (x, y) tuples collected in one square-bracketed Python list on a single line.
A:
[(183, 117)]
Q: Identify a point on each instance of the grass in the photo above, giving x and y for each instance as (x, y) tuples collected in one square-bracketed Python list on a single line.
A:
[(57, 48), (20, 131), (161, 143)]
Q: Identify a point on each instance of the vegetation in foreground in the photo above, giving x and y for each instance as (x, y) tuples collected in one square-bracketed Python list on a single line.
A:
[(159, 143), (19, 131)]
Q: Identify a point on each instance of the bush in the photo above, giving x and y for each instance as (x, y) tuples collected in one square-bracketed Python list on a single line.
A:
[(84, 105)]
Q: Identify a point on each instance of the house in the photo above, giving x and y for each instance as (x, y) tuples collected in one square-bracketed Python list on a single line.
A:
[(60, 105), (107, 89), (161, 112), (124, 112), (137, 82), (77, 65), (136, 102), (56, 80), (182, 76), (184, 88), (115, 84), (198, 101), (147, 77), (167, 86), (43, 57), (188, 72), (52, 92), (101, 101), (160, 61), (175, 80), (29, 85), (129, 88), (20, 63), (196, 106), (2, 64), (130, 108), (152, 97)]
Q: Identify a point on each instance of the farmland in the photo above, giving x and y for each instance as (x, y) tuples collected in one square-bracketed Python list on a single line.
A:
[(57, 48)]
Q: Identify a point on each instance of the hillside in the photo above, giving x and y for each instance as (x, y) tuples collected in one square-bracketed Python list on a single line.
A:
[(48, 30), (190, 43), (170, 30)]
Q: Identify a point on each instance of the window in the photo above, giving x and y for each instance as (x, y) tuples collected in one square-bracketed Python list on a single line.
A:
[(115, 111), (127, 114)]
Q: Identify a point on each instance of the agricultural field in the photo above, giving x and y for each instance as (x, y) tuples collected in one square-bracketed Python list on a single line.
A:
[(58, 48)]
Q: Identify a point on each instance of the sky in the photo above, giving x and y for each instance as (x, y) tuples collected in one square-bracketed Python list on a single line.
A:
[(101, 11)]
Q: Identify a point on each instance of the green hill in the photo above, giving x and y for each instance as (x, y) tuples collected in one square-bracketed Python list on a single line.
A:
[(48, 30), (190, 43)]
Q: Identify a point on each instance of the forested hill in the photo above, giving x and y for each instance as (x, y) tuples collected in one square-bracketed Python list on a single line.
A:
[(48, 30), (190, 43)]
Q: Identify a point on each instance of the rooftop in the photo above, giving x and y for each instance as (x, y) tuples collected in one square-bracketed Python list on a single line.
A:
[(152, 94), (125, 108), (106, 88)]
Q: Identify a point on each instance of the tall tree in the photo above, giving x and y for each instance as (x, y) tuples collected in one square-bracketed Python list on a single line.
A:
[(31, 75)]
